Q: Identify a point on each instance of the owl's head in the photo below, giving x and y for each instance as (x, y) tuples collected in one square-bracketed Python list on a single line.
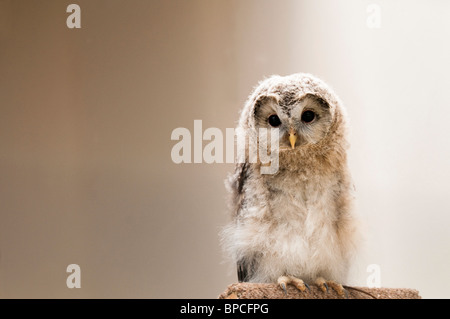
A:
[(304, 109)]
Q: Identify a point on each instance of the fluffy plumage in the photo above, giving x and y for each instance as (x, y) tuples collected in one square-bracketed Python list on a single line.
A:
[(298, 221)]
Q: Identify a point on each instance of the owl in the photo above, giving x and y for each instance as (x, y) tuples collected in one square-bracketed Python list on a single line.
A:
[(295, 226)]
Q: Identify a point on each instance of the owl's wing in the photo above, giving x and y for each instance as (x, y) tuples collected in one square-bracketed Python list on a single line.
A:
[(245, 266), (235, 185), (243, 272)]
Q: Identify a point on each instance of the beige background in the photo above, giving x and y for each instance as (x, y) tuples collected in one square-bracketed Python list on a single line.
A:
[(86, 116)]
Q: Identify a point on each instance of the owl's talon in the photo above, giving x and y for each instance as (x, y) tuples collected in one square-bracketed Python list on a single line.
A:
[(283, 281), (324, 285), (307, 286), (283, 285)]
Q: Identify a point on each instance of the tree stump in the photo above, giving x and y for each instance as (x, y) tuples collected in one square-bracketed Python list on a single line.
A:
[(273, 291)]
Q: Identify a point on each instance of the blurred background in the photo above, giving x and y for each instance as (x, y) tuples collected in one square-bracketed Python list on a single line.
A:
[(86, 117)]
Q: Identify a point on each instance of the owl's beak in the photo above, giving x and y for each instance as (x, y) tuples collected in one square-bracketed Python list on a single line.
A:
[(292, 137)]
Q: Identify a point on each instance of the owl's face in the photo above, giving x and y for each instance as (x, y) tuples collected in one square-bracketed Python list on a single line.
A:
[(300, 122)]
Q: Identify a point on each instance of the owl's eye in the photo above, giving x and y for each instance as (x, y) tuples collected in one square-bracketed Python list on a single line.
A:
[(308, 116), (274, 120)]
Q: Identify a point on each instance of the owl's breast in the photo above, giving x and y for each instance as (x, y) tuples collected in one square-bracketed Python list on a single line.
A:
[(293, 196)]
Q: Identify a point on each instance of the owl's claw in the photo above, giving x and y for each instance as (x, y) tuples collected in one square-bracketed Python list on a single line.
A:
[(325, 284), (322, 284), (307, 286), (283, 281), (283, 285)]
